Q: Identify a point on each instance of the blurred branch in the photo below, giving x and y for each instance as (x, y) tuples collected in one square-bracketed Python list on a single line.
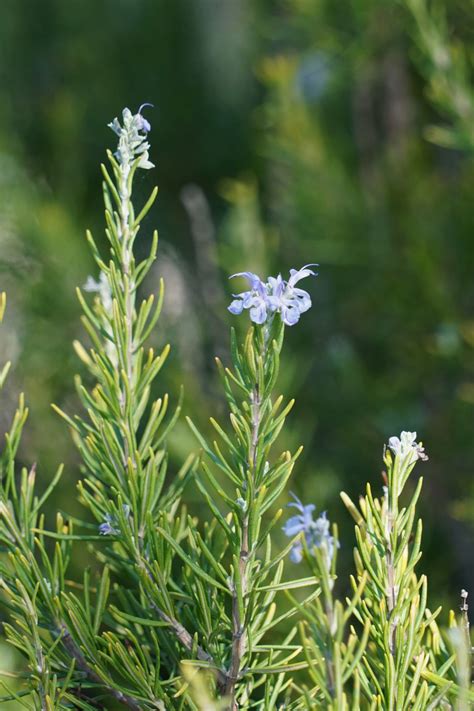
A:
[(445, 64), (207, 260)]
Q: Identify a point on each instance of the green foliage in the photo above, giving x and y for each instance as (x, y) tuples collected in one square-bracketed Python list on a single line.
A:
[(246, 571), (447, 66)]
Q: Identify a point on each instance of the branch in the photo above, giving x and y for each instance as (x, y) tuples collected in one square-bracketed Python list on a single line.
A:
[(239, 634), (182, 634), (82, 664)]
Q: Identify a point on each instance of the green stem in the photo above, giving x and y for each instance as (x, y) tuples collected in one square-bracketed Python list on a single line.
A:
[(392, 590), (128, 286), (239, 633)]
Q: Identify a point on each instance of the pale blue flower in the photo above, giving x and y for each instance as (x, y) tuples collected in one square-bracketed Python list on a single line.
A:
[(406, 447), (286, 298), (107, 528), (276, 295), (256, 299), (110, 523), (316, 533), (144, 124)]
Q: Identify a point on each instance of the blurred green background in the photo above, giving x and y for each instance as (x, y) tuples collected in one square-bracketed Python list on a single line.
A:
[(284, 132)]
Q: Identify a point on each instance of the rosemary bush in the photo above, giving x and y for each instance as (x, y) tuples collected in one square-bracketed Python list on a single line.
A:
[(175, 613)]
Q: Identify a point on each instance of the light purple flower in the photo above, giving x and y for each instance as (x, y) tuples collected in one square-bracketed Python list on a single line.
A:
[(274, 296), (110, 523), (406, 447), (143, 123), (317, 533), (107, 528), (288, 300), (256, 299)]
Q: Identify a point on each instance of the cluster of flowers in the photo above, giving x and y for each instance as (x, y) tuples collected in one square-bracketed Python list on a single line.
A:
[(276, 295), (316, 533), (132, 138), (406, 447)]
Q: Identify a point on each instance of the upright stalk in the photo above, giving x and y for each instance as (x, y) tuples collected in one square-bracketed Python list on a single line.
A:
[(394, 602), (239, 631), (126, 262)]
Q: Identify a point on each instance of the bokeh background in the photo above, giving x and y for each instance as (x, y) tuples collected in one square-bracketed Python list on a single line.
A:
[(284, 132)]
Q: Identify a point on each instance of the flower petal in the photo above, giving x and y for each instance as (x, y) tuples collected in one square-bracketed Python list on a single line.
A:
[(296, 553), (253, 279), (303, 300), (297, 274), (293, 526), (290, 315), (236, 307), (395, 445), (258, 313)]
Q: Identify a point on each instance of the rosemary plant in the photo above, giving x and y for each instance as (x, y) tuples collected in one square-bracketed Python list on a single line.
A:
[(393, 655), (237, 611), (175, 613), (167, 592)]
